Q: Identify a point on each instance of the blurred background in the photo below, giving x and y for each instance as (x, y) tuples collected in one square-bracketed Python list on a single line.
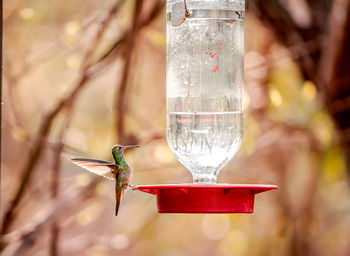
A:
[(80, 76)]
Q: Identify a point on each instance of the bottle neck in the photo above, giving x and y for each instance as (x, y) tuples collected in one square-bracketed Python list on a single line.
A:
[(208, 178)]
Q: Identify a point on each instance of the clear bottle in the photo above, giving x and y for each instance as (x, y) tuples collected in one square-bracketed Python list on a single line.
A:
[(205, 51)]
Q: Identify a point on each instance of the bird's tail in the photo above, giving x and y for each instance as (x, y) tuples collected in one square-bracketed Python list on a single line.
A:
[(118, 197)]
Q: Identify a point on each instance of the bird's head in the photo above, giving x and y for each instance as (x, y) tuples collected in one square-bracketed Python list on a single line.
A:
[(119, 149)]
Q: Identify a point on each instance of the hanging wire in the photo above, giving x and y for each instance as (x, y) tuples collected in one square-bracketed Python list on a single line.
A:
[(187, 13)]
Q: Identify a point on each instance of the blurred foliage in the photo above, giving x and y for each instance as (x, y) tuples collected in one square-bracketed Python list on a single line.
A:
[(290, 140)]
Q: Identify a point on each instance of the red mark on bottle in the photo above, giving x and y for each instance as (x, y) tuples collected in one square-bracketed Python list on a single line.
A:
[(215, 68), (206, 52), (212, 54), (220, 48)]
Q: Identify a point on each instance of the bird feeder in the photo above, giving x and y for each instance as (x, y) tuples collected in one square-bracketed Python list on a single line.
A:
[(205, 52)]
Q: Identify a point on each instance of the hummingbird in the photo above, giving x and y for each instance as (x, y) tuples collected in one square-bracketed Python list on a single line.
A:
[(120, 170)]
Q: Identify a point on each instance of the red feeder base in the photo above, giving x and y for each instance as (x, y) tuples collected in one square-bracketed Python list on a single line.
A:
[(205, 198)]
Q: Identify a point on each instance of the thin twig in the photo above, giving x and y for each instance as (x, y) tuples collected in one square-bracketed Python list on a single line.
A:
[(55, 231), (121, 99), (56, 170), (25, 237), (187, 13), (120, 102)]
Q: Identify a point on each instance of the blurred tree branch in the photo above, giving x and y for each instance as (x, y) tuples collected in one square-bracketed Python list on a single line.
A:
[(329, 32), (317, 49), (121, 94), (21, 240), (326, 64), (120, 102), (56, 170), (336, 77), (89, 69), (47, 121)]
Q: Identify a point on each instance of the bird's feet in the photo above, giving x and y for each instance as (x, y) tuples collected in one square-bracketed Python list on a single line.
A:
[(131, 186)]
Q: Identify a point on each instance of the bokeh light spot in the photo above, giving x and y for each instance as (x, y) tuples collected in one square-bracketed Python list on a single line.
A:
[(73, 61), (83, 179), (163, 154), (120, 242), (275, 97), (246, 100), (215, 227), (234, 243), (72, 28), (89, 213), (27, 13), (308, 92), (18, 133)]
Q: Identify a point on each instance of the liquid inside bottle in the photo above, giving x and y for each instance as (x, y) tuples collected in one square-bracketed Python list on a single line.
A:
[(204, 142)]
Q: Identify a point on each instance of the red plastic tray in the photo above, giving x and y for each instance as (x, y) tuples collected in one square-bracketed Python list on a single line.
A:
[(205, 198)]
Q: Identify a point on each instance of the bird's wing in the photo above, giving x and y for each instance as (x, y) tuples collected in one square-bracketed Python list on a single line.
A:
[(103, 168)]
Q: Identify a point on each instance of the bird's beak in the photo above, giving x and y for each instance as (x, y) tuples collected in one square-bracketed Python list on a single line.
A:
[(131, 146)]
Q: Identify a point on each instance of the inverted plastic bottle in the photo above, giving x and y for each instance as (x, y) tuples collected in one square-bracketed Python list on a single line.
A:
[(205, 50), (205, 106)]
